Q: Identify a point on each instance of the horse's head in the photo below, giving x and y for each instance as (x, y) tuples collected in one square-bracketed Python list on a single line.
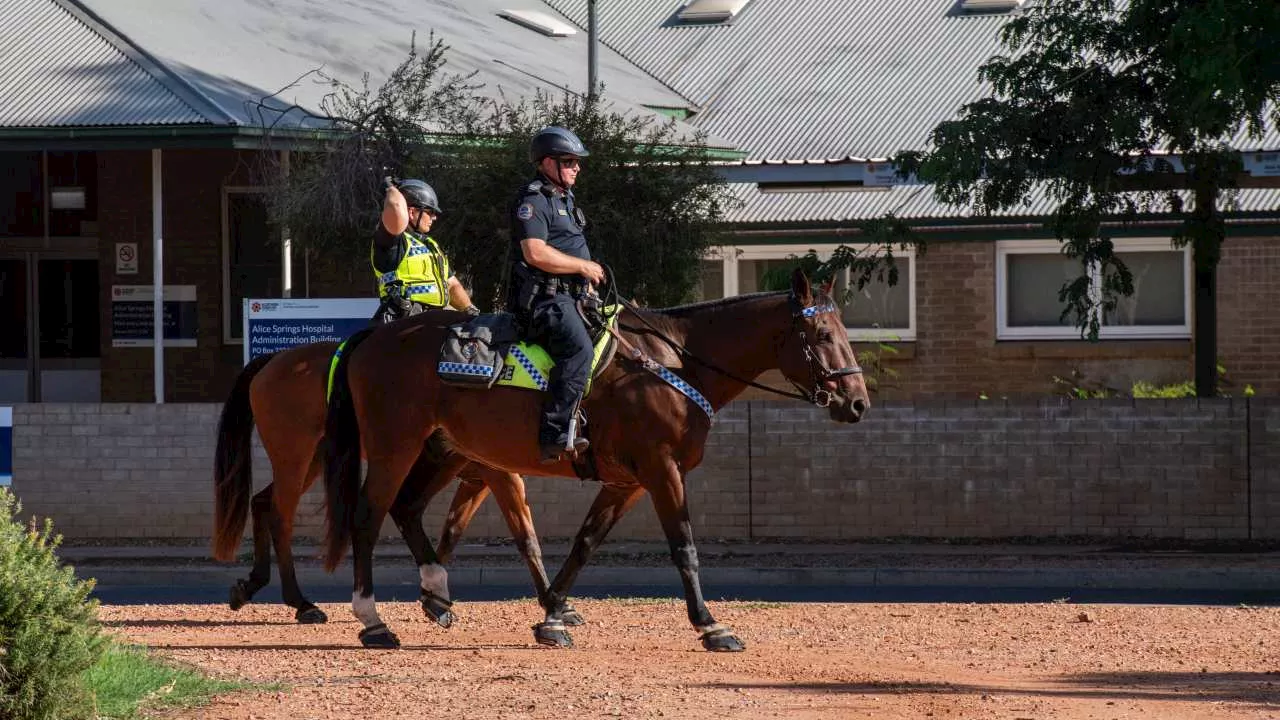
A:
[(817, 357)]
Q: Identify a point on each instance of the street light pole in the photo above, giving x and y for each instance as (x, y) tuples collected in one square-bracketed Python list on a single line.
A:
[(592, 53)]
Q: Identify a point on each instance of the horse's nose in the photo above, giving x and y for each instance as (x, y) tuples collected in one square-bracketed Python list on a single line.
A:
[(859, 406)]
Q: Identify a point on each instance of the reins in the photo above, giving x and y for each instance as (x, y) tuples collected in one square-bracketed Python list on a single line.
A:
[(819, 397), (686, 353)]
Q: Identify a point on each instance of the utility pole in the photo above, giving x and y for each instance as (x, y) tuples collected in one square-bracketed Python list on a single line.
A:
[(593, 37)]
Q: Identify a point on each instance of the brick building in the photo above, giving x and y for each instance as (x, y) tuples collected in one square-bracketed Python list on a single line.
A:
[(108, 98)]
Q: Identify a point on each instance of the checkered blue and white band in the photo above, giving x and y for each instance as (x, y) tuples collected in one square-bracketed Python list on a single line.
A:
[(529, 367), (688, 390), (817, 310), (465, 369)]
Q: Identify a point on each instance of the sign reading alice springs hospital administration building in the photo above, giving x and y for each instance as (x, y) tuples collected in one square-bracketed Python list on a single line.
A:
[(273, 324)]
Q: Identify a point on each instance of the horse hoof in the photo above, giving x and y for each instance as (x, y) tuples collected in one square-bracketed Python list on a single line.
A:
[(552, 634), (239, 595), (572, 617), (436, 608), (311, 616), (721, 639), (444, 620), (379, 637)]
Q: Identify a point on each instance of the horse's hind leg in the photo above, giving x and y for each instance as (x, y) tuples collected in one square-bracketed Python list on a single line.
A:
[(242, 591), (285, 507), (667, 489), (467, 499), (426, 479), (611, 503)]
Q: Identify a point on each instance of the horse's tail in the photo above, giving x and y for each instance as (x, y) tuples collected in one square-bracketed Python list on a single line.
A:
[(233, 464), (341, 456)]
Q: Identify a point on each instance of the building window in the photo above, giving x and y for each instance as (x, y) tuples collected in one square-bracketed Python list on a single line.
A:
[(22, 203), (877, 311), (251, 263), (710, 280), (1030, 274)]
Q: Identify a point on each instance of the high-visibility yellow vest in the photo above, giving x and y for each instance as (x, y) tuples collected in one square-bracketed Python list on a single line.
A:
[(423, 272)]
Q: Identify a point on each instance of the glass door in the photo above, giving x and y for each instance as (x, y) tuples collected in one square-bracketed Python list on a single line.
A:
[(68, 317), (57, 295)]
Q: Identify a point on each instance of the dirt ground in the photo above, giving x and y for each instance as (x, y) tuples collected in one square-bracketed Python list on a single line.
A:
[(640, 659)]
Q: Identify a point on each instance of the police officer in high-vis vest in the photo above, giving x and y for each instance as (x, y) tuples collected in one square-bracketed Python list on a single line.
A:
[(551, 268), (413, 273)]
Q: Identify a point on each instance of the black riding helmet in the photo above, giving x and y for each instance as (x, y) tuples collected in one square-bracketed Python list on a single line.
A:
[(553, 142), (420, 195)]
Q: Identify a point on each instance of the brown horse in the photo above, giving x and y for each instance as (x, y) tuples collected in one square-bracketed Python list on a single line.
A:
[(648, 424), (285, 393)]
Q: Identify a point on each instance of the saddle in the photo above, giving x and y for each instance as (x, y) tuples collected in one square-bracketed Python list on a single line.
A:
[(486, 351)]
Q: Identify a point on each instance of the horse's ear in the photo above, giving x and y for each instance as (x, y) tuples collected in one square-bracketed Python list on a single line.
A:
[(825, 288), (800, 287)]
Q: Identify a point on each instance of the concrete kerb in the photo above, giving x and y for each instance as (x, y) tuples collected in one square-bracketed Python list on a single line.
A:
[(1180, 579), (819, 566)]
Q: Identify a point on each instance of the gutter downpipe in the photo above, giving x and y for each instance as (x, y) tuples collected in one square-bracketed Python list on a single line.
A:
[(157, 273)]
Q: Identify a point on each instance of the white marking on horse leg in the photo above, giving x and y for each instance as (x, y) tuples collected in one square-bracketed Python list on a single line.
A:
[(435, 579), (365, 610)]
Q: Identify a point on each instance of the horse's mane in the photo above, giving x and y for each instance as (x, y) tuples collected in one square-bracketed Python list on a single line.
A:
[(713, 305), (665, 319)]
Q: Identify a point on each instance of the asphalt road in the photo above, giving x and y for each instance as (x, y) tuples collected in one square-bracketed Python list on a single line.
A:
[(196, 594)]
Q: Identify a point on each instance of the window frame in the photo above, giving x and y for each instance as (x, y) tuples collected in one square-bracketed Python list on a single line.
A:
[(1006, 248), (731, 254), (227, 191)]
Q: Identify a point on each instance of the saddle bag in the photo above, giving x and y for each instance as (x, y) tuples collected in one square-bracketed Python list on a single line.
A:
[(472, 353)]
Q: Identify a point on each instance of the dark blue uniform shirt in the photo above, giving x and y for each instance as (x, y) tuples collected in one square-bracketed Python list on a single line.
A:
[(545, 212)]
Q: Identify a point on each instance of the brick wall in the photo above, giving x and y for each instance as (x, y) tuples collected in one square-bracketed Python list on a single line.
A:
[(1151, 468), (1249, 311), (193, 181), (1264, 466)]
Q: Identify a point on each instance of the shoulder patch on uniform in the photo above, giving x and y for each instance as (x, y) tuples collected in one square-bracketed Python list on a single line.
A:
[(525, 211)]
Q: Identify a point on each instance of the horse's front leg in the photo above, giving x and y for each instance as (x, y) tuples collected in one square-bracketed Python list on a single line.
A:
[(666, 485), (612, 502)]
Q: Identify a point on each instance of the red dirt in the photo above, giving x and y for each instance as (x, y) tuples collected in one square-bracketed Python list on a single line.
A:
[(640, 659)]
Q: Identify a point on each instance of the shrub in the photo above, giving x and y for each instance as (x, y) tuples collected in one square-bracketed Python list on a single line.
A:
[(49, 631), (1080, 388)]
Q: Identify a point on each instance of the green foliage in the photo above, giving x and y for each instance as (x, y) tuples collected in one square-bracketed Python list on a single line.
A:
[(1143, 389), (1080, 388), (651, 197), (49, 631), (876, 372), (126, 679)]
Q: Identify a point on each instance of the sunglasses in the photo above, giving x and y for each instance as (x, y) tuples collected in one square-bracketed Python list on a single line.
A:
[(569, 162), (428, 211)]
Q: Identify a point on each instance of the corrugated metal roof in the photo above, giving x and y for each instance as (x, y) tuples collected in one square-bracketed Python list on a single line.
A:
[(56, 70), (915, 202), (819, 78), (237, 52)]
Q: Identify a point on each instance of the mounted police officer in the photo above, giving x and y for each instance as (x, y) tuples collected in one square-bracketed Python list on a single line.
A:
[(413, 273), (550, 271)]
